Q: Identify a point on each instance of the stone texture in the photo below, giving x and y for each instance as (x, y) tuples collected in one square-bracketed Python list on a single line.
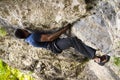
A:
[(96, 23), (93, 33)]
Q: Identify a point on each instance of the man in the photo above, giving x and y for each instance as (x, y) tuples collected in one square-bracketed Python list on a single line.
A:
[(52, 42)]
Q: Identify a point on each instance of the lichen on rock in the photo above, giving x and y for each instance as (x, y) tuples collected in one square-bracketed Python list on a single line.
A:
[(95, 22)]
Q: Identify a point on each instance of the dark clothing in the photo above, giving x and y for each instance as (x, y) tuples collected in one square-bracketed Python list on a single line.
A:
[(60, 44), (34, 40), (77, 44)]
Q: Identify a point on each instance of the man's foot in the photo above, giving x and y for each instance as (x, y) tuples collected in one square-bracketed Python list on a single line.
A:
[(101, 60)]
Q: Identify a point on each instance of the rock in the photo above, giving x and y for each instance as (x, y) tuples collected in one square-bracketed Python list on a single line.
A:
[(41, 12), (91, 31), (96, 23)]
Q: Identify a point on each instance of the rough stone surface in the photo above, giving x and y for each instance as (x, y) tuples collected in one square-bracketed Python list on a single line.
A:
[(96, 23)]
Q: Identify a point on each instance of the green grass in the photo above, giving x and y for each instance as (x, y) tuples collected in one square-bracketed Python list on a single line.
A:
[(2, 32), (117, 61), (8, 73)]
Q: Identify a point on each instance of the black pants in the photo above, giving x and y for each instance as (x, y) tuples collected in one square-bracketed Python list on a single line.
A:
[(77, 44)]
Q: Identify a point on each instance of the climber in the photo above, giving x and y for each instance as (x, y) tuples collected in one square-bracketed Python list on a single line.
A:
[(51, 41)]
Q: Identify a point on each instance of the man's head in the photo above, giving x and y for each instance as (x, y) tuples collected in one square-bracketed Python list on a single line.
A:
[(21, 33)]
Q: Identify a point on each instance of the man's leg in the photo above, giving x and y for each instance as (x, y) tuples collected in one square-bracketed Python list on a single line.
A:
[(76, 43), (64, 43), (87, 51)]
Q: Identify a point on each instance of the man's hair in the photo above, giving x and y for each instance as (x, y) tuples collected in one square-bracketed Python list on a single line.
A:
[(19, 33)]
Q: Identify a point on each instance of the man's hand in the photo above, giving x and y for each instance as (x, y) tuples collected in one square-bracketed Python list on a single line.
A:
[(53, 36), (68, 25)]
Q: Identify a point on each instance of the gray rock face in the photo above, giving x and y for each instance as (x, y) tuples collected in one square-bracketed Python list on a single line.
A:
[(41, 12), (96, 23), (99, 29), (92, 31)]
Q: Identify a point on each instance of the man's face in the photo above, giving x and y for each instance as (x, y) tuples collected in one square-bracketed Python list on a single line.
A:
[(25, 32)]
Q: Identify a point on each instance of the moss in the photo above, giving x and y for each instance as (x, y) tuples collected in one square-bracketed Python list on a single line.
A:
[(89, 7), (1, 0), (8, 73), (117, 61), (2, 32), (76, 8), (90, 4), (118, 43)]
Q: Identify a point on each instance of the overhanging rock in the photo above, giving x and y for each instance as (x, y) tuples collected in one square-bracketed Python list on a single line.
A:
[(92, 31)]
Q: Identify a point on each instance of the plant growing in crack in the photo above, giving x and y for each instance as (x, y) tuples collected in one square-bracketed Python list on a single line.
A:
[(117, 61), (2, 32)]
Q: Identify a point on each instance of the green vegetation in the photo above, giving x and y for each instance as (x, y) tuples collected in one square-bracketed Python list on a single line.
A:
[(117, 61), (2, 32), (8, 73)]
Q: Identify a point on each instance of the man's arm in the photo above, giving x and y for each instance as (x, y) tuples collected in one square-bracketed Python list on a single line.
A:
[(53, 36)]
